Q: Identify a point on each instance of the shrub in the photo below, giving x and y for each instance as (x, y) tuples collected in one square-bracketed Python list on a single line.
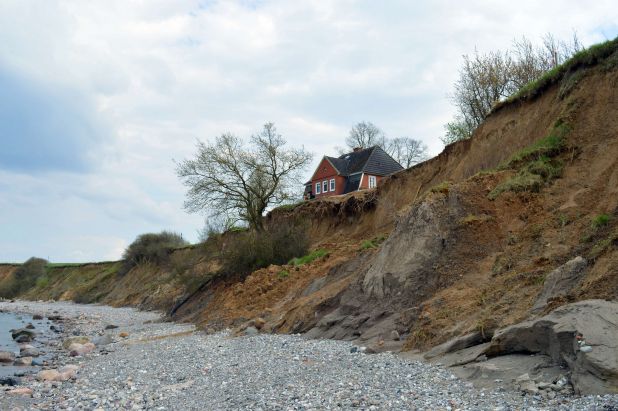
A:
[(24, 277), (283, 274), (373, 243), (248, 251), (600, 220), (150, 248)]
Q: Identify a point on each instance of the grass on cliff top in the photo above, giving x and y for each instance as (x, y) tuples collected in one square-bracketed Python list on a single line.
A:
[(588, 57)]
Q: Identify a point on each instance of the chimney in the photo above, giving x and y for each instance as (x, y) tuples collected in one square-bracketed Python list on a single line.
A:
[(357, 149)]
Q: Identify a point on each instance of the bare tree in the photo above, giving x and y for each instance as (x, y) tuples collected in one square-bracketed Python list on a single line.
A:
[(233, 177), (363, 135), (485, 79), (407, 151)]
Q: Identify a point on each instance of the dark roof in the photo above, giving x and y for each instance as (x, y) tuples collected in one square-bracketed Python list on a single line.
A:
[(373, 160)]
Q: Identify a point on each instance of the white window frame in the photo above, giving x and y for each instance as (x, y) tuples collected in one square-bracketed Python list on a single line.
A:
[(332, 184), (317, 188), (373, 182), (325, 186)]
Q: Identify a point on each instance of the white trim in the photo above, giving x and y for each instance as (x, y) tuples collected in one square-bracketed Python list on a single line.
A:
[(318, 188), (331, 184), (375, 181), (325, 186), (360, 183)]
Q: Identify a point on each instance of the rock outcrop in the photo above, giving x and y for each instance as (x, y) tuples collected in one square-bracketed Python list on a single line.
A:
[(582, 336)]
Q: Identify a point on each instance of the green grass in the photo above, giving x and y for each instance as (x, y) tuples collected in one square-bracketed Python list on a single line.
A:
[(536, 164), (373, 243), (283, 274), (314, 255), (600, 221), (601, 53), (42, 282)]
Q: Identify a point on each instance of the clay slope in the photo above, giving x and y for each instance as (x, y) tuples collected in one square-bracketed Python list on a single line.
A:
[(458, 257)]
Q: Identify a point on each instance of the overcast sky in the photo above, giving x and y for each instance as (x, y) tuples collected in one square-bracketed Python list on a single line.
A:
[(98, 97)]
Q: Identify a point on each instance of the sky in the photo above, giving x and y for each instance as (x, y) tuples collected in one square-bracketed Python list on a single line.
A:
[(98, 98)]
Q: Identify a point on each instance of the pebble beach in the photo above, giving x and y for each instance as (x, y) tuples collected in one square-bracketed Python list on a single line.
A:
[(140, 362)]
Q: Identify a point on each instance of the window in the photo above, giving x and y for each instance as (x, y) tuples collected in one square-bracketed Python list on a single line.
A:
[(317, 188), (332, 184), (372, 181), (324, 186)]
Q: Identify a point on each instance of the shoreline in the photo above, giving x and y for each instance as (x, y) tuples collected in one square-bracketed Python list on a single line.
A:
[(166, 365)]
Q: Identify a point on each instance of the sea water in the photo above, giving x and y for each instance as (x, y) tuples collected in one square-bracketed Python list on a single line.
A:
[(10, 321)]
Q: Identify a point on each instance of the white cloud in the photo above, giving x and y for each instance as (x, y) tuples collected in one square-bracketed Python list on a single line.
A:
[(160, 74)]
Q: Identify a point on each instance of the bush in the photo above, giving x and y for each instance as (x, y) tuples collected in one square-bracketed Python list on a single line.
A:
[(150, 248), (24, 277), (248, 251)]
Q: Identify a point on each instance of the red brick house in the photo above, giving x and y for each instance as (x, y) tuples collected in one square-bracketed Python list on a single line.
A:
[(358, 170)]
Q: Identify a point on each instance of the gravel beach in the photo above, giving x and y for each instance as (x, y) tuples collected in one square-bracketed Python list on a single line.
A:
[(147, 364)]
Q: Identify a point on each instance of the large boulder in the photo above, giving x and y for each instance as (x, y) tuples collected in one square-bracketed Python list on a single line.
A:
[(560, 281), (582, 336)]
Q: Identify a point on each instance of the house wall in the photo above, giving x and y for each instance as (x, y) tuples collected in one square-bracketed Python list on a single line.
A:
[(324, 172), (364, 184)]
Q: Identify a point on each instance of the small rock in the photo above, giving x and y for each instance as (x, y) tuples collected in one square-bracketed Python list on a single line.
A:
[(259, 323), (353, 350), (37, 317), (123, 334), (10, 381), (110, 326), (48, 375), (523, 378), (7, 356), (395, 335), (30, 326), (585, 348), (20, 391), (67, 372), (251, 331), (105, 339), (481, 358), (23, 335), (29, 352), (23, 361), (77, 349), (78, 339), (529, 387)]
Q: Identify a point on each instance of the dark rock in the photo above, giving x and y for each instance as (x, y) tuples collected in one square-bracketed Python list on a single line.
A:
[(10, 381), (23, 332), (353, 350), (29, 352), (30, 326), (23, 339), (54, 317), (37, 317), (110, 326)]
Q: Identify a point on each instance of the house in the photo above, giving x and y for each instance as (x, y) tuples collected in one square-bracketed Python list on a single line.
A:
[(358, 170)]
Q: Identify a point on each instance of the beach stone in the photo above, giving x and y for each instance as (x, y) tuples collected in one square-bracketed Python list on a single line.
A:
[(395, 335), (67, 372), (80, 339), (259, 323), (23, 361), (48, 375), (123, 334), (37, 317), (23, 335), (7, 356), (110, 326), (105, 339), (20, 391), (29, 352), (30, 326), (10, 381), (77, 349), (251, 331)]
